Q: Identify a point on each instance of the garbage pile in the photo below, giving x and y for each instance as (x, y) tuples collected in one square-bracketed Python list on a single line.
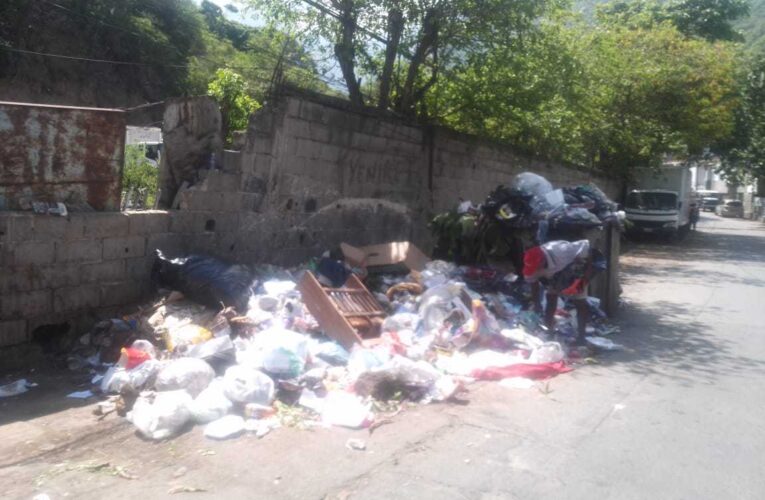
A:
[(531, 210), (238, 351)]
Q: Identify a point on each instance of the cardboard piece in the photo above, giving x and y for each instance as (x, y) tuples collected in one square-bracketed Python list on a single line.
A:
[(397, 256), (349, 314)]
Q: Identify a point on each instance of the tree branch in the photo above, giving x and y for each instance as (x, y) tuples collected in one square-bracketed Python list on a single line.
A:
[(395, 30), (346, 52)]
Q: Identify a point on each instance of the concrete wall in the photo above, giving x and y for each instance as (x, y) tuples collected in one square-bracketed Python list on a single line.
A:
[(60, 154), (312, 174), (310, 151)]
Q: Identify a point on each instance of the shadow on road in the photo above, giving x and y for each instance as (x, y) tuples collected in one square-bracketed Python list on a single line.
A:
[(663, 336), (731, 240), (661, 340)]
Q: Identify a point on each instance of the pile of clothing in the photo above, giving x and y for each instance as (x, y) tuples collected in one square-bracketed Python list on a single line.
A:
[(530, 212)]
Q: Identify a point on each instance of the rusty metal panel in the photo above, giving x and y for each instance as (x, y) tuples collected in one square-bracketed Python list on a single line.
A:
[(60, 154)]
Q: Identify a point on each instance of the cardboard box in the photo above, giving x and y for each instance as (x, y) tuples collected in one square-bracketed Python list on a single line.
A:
[(394, 257)]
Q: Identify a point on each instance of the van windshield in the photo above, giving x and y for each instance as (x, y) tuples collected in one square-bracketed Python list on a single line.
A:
[(652, 201)]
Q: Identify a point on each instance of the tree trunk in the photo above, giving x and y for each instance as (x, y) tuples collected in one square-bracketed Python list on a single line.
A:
[(428, 39), (346, 53), (395, 29)]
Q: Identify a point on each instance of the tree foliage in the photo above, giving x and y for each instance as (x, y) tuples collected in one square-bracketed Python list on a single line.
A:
[(708, 19), (233, 96), (743, 153), (610, 97), (178, 47), (402, 46), (140, 178)]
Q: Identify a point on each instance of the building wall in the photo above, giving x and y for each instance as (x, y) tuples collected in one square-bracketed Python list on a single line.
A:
[(60, 154), (311, 175)]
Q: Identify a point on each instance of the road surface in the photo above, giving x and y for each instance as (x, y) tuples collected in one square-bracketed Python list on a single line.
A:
[(679, 414)]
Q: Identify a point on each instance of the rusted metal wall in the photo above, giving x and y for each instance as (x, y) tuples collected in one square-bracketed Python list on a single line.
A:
[(60, 154)]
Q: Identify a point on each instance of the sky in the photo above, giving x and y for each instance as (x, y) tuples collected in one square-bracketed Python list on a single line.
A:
[(240, 17), (250, 19)]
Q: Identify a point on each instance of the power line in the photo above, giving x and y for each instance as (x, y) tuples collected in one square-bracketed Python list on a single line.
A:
[(87, 59), (263, 49), (401, 51), (140, 64), (95, 18)]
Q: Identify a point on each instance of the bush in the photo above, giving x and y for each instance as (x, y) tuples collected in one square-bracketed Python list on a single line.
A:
[(140, 178)]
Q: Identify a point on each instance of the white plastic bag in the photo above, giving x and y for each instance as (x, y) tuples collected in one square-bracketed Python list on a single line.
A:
[(534, 184), (364, 359), (284, 352), (520, 336), (245, 384), (605, 344), (225, 427), (213, 348), (191, 374), (401, 321), (443, 302), (211, 404), (345, 410), (116, 379), (549, 352), (160, 415), (14, 388), (555, 198)]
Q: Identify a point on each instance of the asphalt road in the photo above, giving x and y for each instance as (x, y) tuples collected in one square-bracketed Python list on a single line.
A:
[(678, 414)]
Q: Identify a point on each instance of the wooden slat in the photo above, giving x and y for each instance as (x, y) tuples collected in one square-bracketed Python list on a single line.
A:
[(334, 324), (345, 313)]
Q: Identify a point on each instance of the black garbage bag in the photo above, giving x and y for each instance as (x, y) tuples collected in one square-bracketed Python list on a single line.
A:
[(205, 280), (515, 199)]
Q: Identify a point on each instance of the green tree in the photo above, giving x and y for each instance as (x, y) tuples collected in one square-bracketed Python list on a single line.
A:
[(404, 46), (610, 97), (140, 178), (743, 154), (708, 19), (655, 92), (176, 45), (236, 105)]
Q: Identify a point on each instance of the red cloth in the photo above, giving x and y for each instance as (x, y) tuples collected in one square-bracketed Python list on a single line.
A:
[(536, 372), (576, 287), (533, 260)]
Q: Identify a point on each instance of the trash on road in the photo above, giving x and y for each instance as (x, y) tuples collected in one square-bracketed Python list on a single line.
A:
[(80, 394), (14, 388), (251, 350), (605, 344), (225, 427), (356, 444)]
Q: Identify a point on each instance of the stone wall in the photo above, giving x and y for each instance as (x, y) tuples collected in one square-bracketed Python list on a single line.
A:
[(312, 174)]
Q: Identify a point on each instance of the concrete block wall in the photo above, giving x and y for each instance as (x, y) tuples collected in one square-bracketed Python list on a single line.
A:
[(56, 270), (469, 168), (308, 151), (312, 174), (316, 154)]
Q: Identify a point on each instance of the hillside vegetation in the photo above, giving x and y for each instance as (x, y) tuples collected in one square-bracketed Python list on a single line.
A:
[(751, 27), (168, 47)]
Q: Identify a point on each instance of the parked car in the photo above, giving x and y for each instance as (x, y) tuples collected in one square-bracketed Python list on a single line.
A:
[(709, 204), (730, 208)]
